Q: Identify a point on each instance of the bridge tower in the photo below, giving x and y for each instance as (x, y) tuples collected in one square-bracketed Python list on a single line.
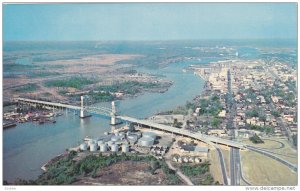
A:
[(82, 110), (113, 113)]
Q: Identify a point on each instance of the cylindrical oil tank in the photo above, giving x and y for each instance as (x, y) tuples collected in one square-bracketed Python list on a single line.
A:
[(185, 159), (179, 160), (175, 159), (192, 159), (121, 134), (93, 147), (83, 147), (109, 143), (125, 148), (139, 134), (132, 138), (114, 148), (115, 138), (149, 134), (103, 147), (198, 160), (146, 141), (91, 142), (100, 143), (106, 133)]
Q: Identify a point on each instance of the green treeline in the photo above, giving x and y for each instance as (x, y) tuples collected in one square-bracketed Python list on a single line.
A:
[(73, 82)]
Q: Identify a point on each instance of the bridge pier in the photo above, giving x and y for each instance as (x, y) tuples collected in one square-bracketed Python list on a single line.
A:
[(113, 114), (83, 113)]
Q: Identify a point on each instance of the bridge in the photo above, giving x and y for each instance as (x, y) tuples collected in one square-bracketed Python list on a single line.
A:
[(112, 113)]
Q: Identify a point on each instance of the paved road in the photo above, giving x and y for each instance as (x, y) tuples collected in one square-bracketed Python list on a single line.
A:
[(180, 174), (239, 164), (223, 167), (233, 168), (271, 155)]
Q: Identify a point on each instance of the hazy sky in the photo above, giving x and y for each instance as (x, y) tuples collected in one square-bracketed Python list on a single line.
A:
[(146, 21)]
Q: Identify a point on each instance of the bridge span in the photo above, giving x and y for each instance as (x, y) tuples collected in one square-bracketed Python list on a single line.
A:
[(112, 113), (198, 136)]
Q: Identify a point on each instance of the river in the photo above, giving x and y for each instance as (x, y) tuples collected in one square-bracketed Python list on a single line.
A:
[(28, 146)]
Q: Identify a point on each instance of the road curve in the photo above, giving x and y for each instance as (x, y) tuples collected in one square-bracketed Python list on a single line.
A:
[(271, 155)]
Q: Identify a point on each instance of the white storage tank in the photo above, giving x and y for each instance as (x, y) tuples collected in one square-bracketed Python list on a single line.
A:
[(121, 134), (100, 143), (146, 141), (149, 134), (83, 146), (132, 139), (175, 159), (106, 133), (109, 143), (139, 134), (103, 147), (198, 160), (186, 159), (93, 147), (91, 142), (114, 148), (115, 138), (179, 160), (192, 159), (125, 148)]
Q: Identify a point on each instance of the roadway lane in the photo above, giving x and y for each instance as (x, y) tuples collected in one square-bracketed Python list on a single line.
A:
[(223, 168), (232, 167), (198, 136)]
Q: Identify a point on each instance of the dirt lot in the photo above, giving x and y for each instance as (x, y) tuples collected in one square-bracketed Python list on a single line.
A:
[(125, 173)]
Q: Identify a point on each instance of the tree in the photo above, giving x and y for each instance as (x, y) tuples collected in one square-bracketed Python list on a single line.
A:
[(256, 139), (215, 122)]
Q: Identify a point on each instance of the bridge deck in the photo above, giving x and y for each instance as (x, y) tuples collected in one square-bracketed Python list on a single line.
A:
[(197, 136), (49, 103), (106, 112)]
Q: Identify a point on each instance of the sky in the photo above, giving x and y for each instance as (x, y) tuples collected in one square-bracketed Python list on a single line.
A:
[(149, 21)]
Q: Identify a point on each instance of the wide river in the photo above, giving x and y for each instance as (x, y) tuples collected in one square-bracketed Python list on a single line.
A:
[(28, 146)]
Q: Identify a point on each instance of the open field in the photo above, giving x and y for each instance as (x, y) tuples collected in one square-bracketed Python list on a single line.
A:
[(286, 152), (261, 170), (125, 173), (268, 144)]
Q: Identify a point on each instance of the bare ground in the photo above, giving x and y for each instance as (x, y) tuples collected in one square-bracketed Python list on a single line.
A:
[(125, 173)]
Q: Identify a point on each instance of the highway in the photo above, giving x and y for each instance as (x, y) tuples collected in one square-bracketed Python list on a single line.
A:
[(232, 167), (197, 136), (235, 167)]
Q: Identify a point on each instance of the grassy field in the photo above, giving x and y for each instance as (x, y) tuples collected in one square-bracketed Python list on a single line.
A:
[(261, 170), (287, 152), (268, 144), (215, 168)]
